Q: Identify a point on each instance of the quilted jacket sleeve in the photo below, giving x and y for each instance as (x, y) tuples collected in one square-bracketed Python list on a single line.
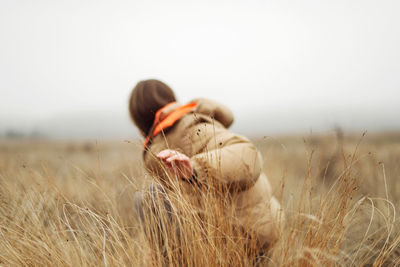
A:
[(215, 110), (235, 161)]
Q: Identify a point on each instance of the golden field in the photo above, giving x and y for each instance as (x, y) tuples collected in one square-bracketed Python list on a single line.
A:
[(70, 204)]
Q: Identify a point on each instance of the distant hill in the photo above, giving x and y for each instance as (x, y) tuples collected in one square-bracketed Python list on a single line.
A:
[(103, 124), (99, 124)]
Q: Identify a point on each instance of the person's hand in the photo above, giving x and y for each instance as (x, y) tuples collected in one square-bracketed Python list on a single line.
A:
[(176, 162)]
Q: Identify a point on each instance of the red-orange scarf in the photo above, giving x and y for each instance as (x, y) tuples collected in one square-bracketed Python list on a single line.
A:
[(159, 126)]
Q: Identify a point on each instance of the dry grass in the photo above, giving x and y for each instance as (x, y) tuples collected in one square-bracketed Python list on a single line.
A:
[(70, 204)]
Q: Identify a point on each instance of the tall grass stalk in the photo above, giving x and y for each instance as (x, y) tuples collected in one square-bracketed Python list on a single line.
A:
[(85, 221)]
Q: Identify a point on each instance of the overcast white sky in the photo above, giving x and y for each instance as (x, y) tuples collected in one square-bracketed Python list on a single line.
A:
[(283, 58)]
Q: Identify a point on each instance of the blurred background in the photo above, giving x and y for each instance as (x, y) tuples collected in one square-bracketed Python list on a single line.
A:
[(283, 67)]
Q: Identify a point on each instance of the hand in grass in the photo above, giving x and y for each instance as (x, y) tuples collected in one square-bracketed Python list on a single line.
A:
[(176, 162)]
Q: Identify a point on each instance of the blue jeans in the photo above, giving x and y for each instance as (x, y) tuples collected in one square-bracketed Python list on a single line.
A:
[(157, 219)]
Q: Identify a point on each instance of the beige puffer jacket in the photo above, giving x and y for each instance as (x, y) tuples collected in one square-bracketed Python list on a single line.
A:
[(203, 136)]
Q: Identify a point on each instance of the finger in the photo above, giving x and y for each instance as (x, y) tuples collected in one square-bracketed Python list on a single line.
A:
[(182, 164), (176, 158), (165, 154), (168, 165)]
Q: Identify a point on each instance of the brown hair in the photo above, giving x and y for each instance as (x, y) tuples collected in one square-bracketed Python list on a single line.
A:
[(147, 97)]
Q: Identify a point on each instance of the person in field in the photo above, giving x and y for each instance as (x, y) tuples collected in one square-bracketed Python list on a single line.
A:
[(193, 142)]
